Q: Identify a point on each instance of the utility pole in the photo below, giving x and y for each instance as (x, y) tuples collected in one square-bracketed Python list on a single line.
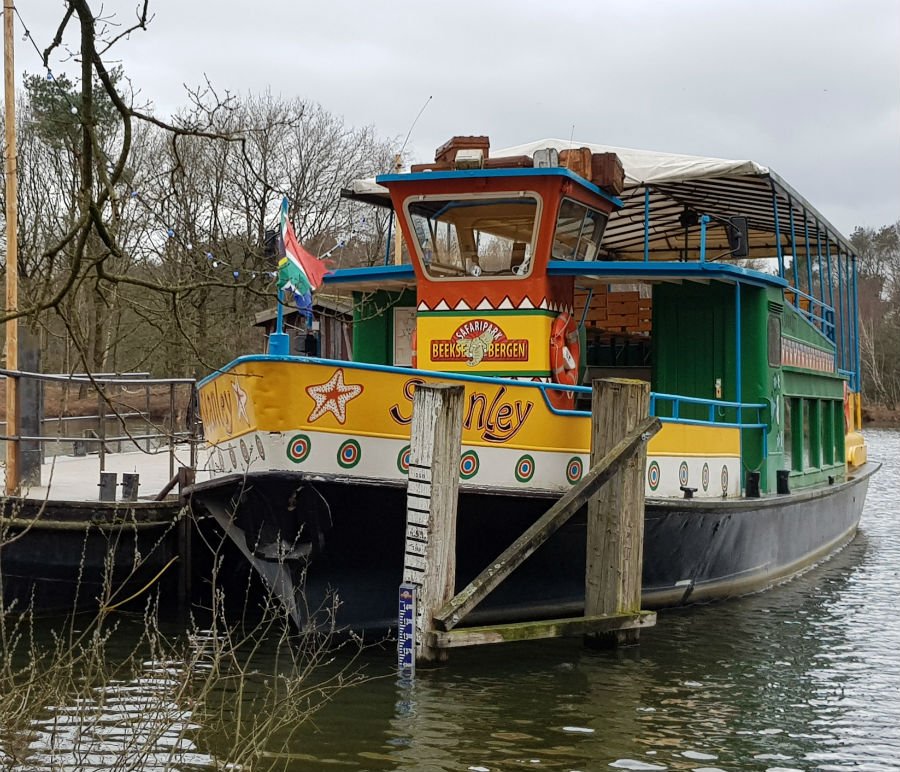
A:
[(12, 252)]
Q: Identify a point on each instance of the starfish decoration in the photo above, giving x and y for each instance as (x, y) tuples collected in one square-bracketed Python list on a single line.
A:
[(332, 397)]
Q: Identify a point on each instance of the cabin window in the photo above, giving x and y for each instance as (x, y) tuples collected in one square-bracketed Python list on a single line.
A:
[(798, 422), (828, 432), (813, 424), (788, 434), (839, 429), (578, 231), (475, 236)]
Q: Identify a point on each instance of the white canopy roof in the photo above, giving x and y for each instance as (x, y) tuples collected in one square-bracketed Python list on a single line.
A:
[(719, 187), (648, 166)]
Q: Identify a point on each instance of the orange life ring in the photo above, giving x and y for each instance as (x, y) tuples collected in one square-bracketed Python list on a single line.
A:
[(565, 354), (414, 356)]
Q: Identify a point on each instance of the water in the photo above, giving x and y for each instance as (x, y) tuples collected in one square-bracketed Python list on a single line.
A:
[(803, 677)]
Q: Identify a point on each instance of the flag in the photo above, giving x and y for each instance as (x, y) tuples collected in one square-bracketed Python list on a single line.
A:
[(298, 270)]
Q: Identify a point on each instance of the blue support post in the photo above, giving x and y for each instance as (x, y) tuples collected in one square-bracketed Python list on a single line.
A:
[(833, 335), (279, 341), (842, 363), (821, 274), (703, 222), (778, 249), (737, 347), (809, 277), (794, 254), (848, 323), (387, 243), (647, 225)]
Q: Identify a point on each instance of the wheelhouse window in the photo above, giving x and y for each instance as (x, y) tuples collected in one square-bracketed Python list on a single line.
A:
[(475, 236), (578, 231)]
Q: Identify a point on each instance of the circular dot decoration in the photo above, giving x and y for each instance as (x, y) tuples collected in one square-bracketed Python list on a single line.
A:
[(525, 468), (298, 448), (574, 469), (468, 465), (653, 475), (403, 460), (349, 454)]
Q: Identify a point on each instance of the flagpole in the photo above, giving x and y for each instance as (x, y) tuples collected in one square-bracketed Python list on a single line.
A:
[(12, 254), (279, 341)]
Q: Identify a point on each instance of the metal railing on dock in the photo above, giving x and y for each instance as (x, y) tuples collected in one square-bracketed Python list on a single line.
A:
[(132, 409)]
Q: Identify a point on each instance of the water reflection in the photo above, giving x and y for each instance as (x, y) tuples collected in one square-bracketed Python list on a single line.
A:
[(133, 724), (803, 677)]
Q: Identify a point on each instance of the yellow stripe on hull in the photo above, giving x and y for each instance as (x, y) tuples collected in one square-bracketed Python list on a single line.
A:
[(280, 401)]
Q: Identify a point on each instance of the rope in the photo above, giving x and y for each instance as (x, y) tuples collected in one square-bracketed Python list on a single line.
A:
[(105, 609)]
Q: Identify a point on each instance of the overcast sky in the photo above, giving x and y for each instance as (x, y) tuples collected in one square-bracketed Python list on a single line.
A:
[(810, 88)]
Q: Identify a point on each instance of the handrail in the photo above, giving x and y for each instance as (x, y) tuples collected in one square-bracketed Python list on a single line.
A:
[(713, 405), (133, 383), (86, 380), (106, 440)]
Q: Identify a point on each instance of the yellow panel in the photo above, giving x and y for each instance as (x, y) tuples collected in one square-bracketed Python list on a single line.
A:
[(695, 440), (286, 396), (508, 343)]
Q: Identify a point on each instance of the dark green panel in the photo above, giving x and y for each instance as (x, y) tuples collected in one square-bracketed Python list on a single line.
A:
[(693, 342), (373, 324)]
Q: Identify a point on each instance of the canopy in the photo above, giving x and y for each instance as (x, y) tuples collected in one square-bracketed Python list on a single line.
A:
[(681, 186)]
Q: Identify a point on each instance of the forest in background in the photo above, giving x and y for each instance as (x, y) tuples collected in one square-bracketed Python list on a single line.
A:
[(878, 266), (189, 211)]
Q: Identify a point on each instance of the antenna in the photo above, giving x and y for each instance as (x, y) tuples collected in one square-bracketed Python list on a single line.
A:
[(571, 142), (413, 125)]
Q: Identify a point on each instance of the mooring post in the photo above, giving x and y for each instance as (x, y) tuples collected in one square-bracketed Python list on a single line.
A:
[(108, 486), (130, 484), (429, 563), (615, 527)]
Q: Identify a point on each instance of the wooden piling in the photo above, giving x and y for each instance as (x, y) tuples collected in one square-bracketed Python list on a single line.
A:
[(432, 493), (602, 471), (615, 525)]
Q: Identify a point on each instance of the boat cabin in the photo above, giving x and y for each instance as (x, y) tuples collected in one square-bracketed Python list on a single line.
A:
[(535, 266)]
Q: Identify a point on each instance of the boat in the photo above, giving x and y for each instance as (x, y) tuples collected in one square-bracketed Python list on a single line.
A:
[(527, 274)]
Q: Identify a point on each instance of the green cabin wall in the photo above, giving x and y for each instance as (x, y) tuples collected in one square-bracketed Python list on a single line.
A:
[(373, 324), (694, 343), (813, 446)]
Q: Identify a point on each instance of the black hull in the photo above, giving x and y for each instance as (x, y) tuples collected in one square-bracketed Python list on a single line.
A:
[(61, 557), (347, 537)]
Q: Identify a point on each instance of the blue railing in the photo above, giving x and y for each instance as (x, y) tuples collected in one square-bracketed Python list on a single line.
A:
[(717, 411), (823, 321), (670, 407)]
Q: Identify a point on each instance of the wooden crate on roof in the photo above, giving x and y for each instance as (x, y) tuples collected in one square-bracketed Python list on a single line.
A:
[(645, 315)]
